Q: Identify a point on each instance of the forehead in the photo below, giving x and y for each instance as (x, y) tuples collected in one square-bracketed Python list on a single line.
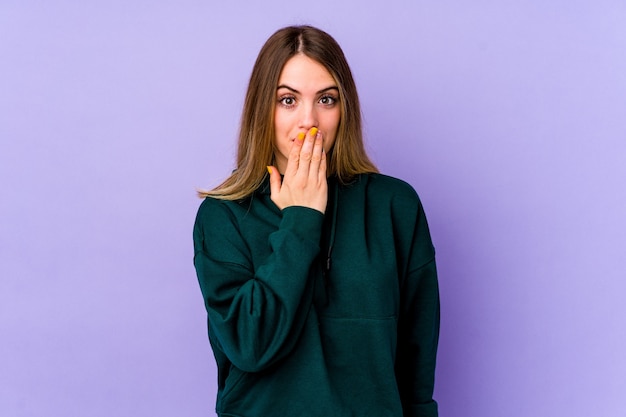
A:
[(300, 71)]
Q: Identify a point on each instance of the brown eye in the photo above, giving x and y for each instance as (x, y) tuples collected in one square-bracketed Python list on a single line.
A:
[(328, 100), (287, 101)]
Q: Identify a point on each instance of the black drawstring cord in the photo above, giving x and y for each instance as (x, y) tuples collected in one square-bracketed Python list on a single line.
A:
[(331, 242)]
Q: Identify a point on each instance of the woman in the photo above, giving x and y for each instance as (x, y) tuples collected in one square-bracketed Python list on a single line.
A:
[(317, 272)]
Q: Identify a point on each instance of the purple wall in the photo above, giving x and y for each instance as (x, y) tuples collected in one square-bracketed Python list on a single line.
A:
[(508, 118)]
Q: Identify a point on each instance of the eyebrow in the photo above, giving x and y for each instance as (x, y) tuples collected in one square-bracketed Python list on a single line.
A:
[(293, 90)]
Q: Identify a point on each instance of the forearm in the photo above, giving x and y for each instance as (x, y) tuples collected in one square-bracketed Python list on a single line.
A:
[(257, 311)]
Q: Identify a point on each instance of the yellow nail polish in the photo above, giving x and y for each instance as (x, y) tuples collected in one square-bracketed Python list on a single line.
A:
[(301, 135), (269, 169), (314, 131)]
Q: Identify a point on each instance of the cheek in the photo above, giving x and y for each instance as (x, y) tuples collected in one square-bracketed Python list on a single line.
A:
[(329, 118), (331, 138), (281, 118), (333, 125)]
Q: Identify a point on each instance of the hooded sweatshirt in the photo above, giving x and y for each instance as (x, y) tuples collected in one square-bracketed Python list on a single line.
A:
[(321, 315)]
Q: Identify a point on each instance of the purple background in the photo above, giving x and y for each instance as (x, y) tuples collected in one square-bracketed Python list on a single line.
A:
[(508, 117)]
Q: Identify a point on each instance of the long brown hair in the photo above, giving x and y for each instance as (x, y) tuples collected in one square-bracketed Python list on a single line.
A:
[(256, 135)]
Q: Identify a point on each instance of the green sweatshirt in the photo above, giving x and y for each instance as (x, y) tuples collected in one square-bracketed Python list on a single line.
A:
[(321, 315)]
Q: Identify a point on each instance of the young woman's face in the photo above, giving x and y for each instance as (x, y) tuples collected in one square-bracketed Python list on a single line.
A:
[(307, 96)]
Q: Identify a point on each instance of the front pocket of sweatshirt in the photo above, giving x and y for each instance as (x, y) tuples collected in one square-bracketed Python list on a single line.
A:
[(360, 353)]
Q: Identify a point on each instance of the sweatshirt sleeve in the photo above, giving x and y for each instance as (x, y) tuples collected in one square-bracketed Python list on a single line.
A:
[(418, 326), (255, 313)]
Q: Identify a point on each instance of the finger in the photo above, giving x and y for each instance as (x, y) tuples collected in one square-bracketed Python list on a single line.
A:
[(275, 181), (316, 157), (293, 160), (322, 170), (306, 153)]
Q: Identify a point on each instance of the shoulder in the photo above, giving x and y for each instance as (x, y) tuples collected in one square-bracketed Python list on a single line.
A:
[(211, 206), (390, 185), (216, 214), (390, 190), (401, 202)]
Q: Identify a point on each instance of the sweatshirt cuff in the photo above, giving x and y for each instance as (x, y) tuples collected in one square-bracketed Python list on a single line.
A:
[(304, 222)]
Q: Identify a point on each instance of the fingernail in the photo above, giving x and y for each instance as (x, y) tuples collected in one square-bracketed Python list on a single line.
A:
[(301, 135), (269, 169), (314, 131)]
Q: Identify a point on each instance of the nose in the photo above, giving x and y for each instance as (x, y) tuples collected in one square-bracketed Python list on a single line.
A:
[(308, 117)]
